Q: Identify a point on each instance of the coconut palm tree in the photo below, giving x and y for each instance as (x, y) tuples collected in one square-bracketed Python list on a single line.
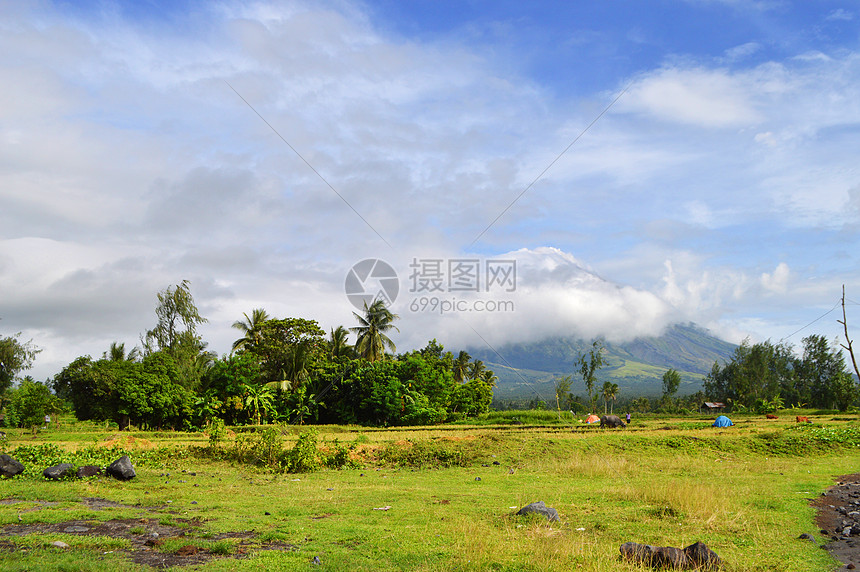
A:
[(250, 328), (489, 378), (477, 369), (337, 344), (609, 391), (461, 366), (372, 341), (117, 353)]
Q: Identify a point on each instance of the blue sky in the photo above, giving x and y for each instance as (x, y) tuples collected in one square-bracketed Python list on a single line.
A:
[(719, 183)]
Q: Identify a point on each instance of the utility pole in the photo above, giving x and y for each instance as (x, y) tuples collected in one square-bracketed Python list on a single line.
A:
[(844, 323)]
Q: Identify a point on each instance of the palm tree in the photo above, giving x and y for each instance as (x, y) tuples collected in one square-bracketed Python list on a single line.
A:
[(250, 328), (489, 378), (117, 353), (372, 341), (295, 367), (609, 391), (461, 366), (477, 369), (338, 345)]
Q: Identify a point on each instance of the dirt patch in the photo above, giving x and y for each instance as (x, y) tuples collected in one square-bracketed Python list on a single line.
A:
[(839, 528), (145, 536), (127, 442)]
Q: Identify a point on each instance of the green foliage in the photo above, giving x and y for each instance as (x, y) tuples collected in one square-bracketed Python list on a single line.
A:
[(671, 382), (426, 454), (146, 393), (304, 457), (15, 357), (759, 373), (29, 403), (372, 339), (217, 432), (587, 365), (286, 350)]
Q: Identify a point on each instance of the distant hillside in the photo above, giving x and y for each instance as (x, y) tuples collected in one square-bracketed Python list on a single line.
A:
[(529, 370)]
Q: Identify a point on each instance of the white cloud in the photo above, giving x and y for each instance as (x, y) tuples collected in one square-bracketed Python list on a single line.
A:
[(700, 97), (777, 281), (129, 165)]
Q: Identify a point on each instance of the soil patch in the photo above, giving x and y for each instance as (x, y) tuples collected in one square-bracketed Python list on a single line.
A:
[(834, 519), (145, 536)]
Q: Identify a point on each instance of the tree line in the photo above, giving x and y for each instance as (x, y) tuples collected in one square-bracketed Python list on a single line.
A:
[(279, 370), (767, 375)]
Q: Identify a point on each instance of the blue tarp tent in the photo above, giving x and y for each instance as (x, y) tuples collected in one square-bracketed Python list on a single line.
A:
[(723, 421)]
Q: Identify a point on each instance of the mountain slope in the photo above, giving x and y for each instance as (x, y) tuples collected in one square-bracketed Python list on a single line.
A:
[(529, 370)]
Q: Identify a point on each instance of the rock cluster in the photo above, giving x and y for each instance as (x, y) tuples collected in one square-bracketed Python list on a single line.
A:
[(121, 469), (695, 557)]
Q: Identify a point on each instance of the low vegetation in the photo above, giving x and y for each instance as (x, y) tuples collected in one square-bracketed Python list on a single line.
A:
[(429, 499)]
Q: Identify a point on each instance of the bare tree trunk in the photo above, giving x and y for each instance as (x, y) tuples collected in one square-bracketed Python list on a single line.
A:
[(848, 347)]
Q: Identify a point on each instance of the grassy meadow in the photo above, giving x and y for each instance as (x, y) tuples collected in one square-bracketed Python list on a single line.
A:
[(449, 494)]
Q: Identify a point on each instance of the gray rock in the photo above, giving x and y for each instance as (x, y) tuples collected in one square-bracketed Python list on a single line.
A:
[(59, 544), (539, 508), (121, 469), (807, 536), (76, 529), (58, 471), (88, 471), (10, 467)]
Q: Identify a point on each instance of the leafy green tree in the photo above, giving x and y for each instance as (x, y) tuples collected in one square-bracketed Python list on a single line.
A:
[(176, 333), (820, 374), (29, 403), (756, 371), (844, 390), (224, 384), (146, 393), (287, 348), (250, 328), (15, 357), (671, 382), (588, 365), (178, 319), (562, 391), (372, 339)]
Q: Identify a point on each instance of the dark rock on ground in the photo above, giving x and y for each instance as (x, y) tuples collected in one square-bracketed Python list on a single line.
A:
[(88, 471), (694, 557), (700, 556), (10, 467), (539, 508), (58, 471), (121, 469)]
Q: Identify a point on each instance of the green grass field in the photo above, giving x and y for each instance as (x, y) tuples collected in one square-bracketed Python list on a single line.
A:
[(744, 491)]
